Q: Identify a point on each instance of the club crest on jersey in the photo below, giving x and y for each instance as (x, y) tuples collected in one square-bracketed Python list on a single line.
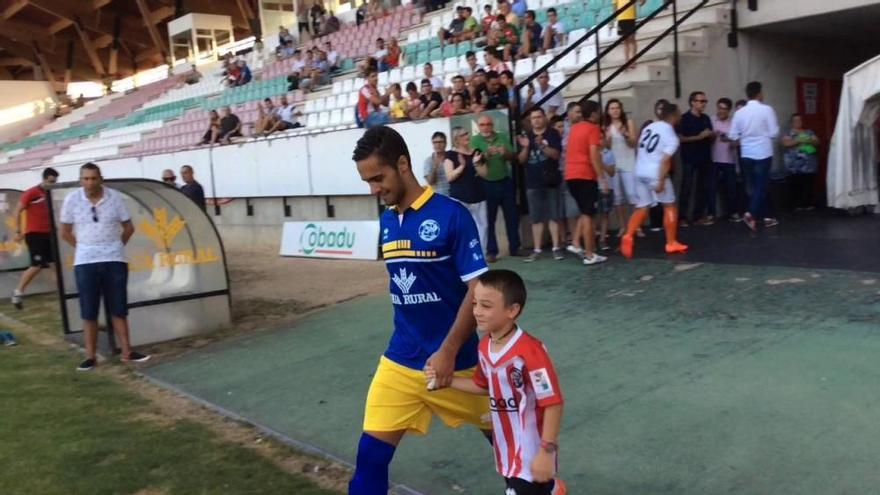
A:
[(429, 230), (404, 281), (473, 243), (541, 382), (385, 234), (515, 377)]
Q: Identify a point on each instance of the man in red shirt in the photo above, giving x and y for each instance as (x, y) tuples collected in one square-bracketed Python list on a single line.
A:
[(584, 176), (36, 232)]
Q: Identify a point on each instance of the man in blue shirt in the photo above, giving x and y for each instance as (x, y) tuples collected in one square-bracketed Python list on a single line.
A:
[(432, 251)]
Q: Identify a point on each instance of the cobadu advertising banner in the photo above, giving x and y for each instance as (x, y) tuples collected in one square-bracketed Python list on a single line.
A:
[(339, 239), (177, 277)]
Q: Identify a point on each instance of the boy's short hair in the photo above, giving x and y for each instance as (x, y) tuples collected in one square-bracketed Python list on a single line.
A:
[(509, 284)]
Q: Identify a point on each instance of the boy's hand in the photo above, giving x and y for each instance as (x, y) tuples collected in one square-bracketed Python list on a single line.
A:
[(443, 362), (543, 466), (430, 377)]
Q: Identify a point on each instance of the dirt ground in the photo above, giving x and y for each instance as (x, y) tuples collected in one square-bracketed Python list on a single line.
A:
[(268, 289)]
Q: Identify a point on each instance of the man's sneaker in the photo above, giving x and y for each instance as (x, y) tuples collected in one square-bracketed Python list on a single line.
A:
[(558, 254), (735, 218), (575, 250), (683, 223), (771, 222), (676, 247), (749, 220), (594, 260), (86, 365), (603, 246), (626, 246), (491, 258), (655, 229), (705, 221), (7, 339), (17, 299), (135, 357)]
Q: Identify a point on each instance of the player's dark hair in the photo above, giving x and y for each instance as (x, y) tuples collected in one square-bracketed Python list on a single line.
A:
[(438, 134), (50, 172), (491, 75), (531, 13), (571, 105), (753, 89), (556, 119), (90, 166), (551, 9), (693, 96), (537, 110), (382, 142), (509, 284), (726, 102), (668, 110), (508, 74), (469, 54), (589, 107)]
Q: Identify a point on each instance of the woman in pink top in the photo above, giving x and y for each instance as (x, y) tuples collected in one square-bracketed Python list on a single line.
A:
[(724, 157)]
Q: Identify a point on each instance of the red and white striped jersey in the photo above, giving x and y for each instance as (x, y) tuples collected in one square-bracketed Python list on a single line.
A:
[(521, 381)]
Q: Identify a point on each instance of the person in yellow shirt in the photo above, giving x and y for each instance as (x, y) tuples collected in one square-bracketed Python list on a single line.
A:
[(396, 102), (626, 27)]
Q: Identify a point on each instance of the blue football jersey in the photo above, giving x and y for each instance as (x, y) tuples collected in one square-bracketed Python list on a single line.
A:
[(431, 251)]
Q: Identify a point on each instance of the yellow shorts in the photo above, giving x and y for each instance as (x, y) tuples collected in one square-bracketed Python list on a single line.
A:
[(399, 400)]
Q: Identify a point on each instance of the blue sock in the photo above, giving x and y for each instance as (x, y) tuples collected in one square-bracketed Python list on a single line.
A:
[(371, 473)]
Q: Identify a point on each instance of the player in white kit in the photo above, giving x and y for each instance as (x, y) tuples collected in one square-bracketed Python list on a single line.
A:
[(657, 145)]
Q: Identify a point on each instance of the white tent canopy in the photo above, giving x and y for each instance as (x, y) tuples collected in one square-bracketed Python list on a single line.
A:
[(852, 161)]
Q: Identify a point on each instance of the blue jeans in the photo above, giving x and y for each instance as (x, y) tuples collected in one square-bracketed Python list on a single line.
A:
[(725, 173), (757, 174), (694, 175), (501, 193), (110, 279), (376, 119)]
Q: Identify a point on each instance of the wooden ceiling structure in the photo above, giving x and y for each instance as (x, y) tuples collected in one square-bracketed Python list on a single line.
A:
[(97, 40)]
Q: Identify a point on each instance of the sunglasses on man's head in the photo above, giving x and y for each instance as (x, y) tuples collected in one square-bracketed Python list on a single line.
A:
[(168, 179)]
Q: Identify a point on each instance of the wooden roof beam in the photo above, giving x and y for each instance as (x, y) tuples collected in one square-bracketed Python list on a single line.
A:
[(14, 61), (13, 8), (90, 49), (158, 42)]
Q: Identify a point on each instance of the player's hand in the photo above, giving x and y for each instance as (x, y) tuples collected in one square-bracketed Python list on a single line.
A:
[(18, 237), (661, 185), (543, 466), (443, 364)]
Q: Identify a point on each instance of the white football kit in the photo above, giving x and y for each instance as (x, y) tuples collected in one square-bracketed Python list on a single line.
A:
[(656, 142)]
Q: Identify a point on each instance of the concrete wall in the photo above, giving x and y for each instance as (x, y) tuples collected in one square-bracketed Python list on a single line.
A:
[(773, 11)]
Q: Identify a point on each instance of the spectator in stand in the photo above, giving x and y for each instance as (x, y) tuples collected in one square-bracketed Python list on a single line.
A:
[(169, 178), (493, 96), (504, 38), (455, 28), (317, 13), (584, 174), (369, 108), (193, 76), (464, 168), (531, 40), (554, 31), (286, 117), (397, 104), (213, 131), (332, 57), (539, 155), (302, 18), (287, 50), (476, 85), (434, 169), (495, 62), (244, 73), (332, 25), (488, 19), (696, 136), (431, 100), (191, 187), (509, 16), (801, 162), (509, 84), (413, 101), (376, 11), (519, 7), (622, 140), (534, 94), (318, 74), (394, 54), (436, 82), (232, 72), (472, 66), (724, 163), (755, 128), (381, 55), (471, 28), (498, 152), (459, 86), (230, 126), (284, 36), (626, 28), (361, 14), (457, 105)]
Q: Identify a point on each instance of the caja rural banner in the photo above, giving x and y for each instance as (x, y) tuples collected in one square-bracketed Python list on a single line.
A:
[(340, 239)]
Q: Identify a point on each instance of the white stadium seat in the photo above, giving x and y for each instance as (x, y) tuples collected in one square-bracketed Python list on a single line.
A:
[(394, 76), (320, 104), (312, 121), (337, 87), (335, 117), (348, 85), (323, 119), (383, 79), (310, 106), (450, 65), (348, 116), (408, 74), (523, 68)]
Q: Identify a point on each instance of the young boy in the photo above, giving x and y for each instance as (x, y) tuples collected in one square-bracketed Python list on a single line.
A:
[(524, 395)]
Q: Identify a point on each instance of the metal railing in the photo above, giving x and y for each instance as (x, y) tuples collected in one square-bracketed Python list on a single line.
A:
[(601, 83)]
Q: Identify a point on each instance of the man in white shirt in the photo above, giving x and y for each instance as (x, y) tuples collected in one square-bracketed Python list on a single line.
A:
[(436, 82), (755, 127), (287, 117), (472, 67), (554, 31), (657, 146), (534, 94), (96, 223), (381, 55), (332, 57)]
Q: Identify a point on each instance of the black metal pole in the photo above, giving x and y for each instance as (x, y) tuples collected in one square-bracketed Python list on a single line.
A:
[(59, 264), (675, 49), (598, 70)]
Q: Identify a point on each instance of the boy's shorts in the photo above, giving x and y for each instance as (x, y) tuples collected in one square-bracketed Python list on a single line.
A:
[(399, 400), (519, 486)]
